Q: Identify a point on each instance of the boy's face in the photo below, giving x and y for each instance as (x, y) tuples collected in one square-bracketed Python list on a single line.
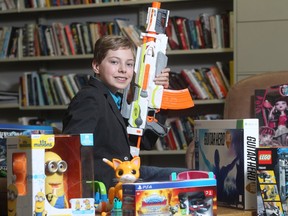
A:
[(116, 70)]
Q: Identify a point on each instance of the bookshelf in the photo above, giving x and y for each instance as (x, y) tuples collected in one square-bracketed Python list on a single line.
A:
[(12, 68)]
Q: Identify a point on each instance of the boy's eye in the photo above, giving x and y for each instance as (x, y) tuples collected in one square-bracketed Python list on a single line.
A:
[(114, 62)]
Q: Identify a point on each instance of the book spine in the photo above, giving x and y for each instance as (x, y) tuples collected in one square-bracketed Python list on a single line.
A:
[(206, 28), (67, 86), (60, 90), (214, 84), (69, 38), (219, 80)]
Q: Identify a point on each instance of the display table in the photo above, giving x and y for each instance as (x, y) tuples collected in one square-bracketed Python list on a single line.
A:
[(221, 211)]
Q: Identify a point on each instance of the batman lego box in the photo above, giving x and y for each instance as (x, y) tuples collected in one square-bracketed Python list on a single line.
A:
[(176, 197), (272, 176), (228, 149), (45, 175)]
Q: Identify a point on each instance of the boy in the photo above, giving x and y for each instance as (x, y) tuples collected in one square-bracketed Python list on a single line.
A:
[(95, 109)]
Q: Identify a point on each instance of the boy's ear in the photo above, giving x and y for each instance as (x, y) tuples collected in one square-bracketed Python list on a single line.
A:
[(95, 67)]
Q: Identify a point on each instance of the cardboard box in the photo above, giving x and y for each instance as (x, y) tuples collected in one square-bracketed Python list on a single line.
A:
[(179, 197), (271, 110), (272, 177), (8, 130), (228, 149), (45, 175)]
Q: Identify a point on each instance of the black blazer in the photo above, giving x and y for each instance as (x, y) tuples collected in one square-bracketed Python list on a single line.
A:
[(93, 110)]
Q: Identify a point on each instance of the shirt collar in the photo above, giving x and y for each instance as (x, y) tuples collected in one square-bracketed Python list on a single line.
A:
[(117, 99)]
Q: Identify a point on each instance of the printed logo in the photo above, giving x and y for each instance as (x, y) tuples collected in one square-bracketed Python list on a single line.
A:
[(283, 90), (265, 157)]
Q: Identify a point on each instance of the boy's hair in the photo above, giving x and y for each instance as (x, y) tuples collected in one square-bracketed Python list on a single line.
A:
[(110, 42)]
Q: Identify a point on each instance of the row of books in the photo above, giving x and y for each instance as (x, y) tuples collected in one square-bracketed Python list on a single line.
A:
[(57, 3), (40, 89), (181, 132), (11, 4), (204, 83), (7, 5), (207, 31), (53, 40)]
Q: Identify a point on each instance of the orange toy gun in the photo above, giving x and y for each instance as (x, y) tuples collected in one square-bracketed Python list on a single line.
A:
[(149, 98)]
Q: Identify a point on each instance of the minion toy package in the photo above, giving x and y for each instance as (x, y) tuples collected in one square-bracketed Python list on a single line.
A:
[(191, 193), (45, 175)]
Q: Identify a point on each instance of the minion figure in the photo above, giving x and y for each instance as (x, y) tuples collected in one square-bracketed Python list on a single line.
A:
[(77, 205), (55, 168), (87, 204), (12, 194), (40, 204)]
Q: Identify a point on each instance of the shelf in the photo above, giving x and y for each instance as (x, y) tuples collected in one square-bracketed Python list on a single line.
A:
[(9, 106), (90, 56)]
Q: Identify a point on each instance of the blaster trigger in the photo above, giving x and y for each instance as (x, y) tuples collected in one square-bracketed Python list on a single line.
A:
[(158, 128)]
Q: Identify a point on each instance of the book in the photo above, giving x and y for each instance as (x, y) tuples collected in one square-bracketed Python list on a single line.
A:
[(6, 39), (206, 28), (224, 73), (178, 24), (171, 34), (271, 108), (228, 148), (219, 32), (60, 90), (192, 81), (69, 39), (192, 34), (214, 37), (218, 78)]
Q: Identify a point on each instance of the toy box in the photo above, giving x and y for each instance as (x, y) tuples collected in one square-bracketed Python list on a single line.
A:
[(48, 174), (227, 148), (7, 130), (271, 108), (272, 176), (178, 197)]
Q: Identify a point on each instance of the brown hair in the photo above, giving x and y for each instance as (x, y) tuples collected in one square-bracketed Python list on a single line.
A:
[(110, 42)]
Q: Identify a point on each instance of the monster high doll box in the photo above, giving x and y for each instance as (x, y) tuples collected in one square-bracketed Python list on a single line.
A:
[(50, 174), (192, 194), (272, 176), (271, 108), (228, 149)]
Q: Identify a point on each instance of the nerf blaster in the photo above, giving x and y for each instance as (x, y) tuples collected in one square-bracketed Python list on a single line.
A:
[(149, 98)]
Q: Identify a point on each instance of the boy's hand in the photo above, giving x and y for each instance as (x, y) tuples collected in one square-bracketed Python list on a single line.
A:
[(163, 78)]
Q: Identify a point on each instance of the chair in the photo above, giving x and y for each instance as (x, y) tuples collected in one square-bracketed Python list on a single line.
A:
[(239, 102)]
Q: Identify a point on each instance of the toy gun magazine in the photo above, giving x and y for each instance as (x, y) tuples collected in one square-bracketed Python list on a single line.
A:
[(149, 98)]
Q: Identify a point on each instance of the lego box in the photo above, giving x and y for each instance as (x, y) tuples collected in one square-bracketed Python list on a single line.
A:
[(228, 149), (272, 176), (48, 175), (179, 197)]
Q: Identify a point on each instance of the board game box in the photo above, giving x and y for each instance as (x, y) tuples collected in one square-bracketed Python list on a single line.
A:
[(272, 111), (228, 149), (272, 176)]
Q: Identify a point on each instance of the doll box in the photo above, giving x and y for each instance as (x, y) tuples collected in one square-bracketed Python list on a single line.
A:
[(45, 175), (178, 197)]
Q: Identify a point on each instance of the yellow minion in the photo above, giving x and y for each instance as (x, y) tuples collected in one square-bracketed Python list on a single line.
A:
[(12, 194), (40, 204), (55, 167)]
